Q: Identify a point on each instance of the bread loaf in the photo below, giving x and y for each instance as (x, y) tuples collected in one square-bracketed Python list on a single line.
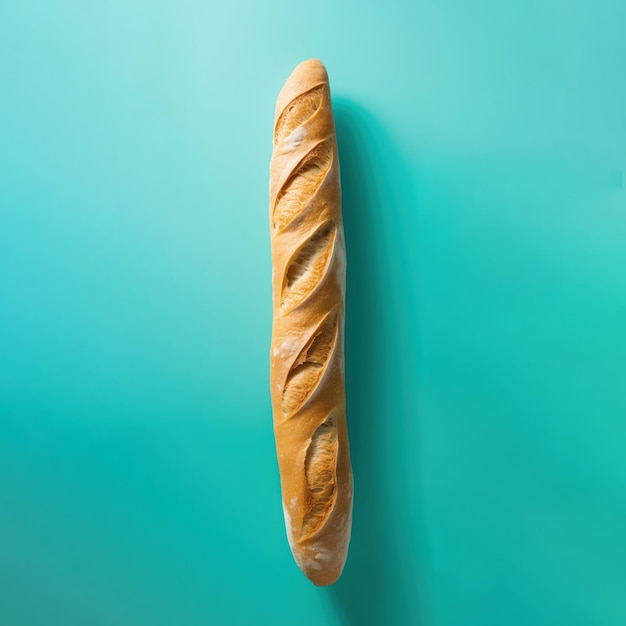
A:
[(307, 357)]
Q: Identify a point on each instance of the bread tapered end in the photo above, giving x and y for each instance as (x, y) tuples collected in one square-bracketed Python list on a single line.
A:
[(307, 75)]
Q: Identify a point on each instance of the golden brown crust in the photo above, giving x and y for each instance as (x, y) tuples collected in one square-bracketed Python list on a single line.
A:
[(307, 360)]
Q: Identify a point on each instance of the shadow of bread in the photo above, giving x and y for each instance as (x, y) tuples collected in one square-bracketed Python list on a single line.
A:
[(379, 584)]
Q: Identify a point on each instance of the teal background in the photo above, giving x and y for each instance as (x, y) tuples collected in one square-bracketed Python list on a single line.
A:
[(482, 146)]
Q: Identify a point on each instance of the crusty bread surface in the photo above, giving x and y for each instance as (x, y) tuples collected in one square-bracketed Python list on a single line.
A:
[(306, 354)]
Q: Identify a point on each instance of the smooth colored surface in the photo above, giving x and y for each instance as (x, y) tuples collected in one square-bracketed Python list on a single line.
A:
[(483, 146)]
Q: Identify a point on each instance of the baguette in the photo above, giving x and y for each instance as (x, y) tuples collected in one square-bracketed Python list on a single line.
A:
[(307, 354)]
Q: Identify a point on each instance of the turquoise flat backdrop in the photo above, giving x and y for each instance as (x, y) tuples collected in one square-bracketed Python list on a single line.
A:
[(482, 147)]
